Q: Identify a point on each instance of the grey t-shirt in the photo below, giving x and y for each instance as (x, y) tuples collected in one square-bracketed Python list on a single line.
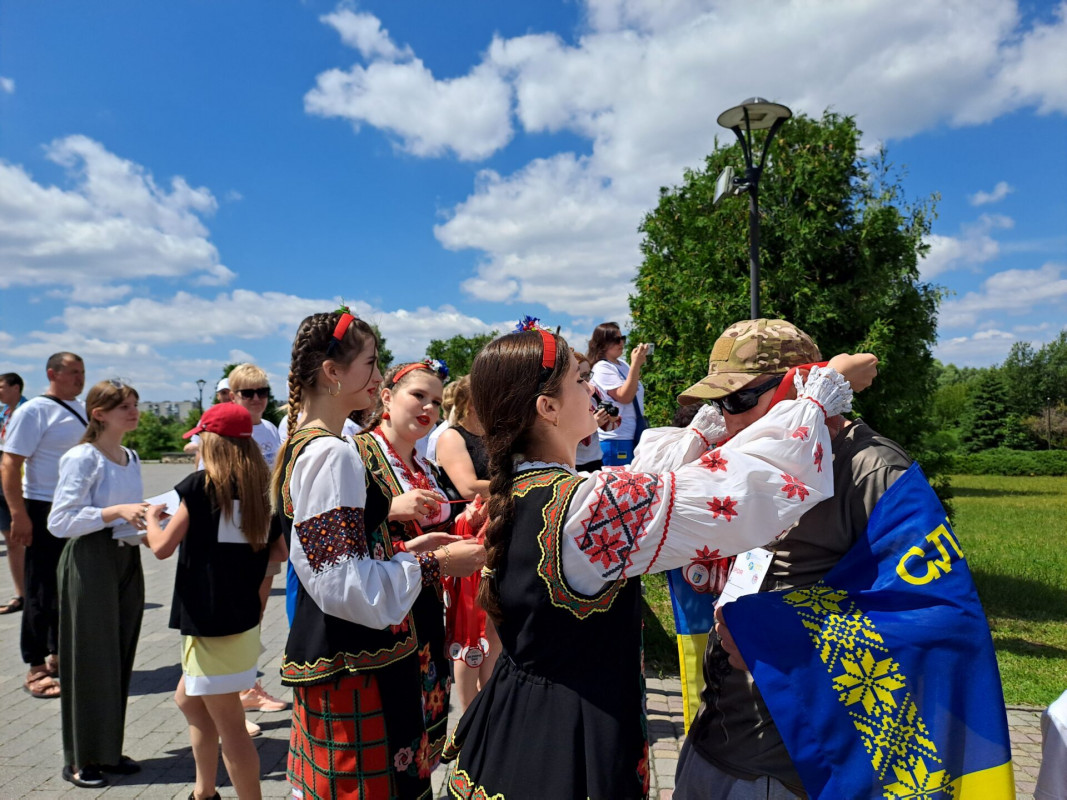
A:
[(733, 728)]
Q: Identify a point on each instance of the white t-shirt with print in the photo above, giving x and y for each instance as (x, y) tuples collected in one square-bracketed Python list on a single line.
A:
[(41, 432)]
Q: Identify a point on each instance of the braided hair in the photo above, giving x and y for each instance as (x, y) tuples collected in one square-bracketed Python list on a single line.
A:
[(506, 381), (311, 348)]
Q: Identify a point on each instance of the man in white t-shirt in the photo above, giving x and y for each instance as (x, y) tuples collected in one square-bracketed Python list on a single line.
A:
[(11, 398), (37, 436)]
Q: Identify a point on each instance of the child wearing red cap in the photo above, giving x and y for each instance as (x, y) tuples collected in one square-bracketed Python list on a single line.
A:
[(221, 532)]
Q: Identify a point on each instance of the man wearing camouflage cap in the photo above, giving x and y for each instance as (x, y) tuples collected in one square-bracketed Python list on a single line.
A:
[(733, 750)]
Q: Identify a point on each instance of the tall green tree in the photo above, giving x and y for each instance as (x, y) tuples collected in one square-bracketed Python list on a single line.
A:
[(840, 257), (385, 355), (985, 424), (459, 351)]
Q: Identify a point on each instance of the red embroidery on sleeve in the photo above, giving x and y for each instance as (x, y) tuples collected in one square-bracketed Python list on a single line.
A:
[(703, 438), (816, 402), (333, 537), (666, 524), (725, 507), (713, 461), (802, 433), (621, 509), (794, 488), (818, 456)]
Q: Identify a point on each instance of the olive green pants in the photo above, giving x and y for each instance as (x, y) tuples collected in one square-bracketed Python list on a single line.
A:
[(101, 602)]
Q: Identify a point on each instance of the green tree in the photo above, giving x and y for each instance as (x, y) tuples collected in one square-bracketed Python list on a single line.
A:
[(154, 436), (840, 252), (385, 355), (985, 423), (459, 351)]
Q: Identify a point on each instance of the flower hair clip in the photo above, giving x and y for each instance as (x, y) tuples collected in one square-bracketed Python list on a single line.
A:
[(528, 323), (548, 346), (435, 365)]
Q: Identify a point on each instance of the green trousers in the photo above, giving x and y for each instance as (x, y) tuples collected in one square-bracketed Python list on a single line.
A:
[(101, 602)]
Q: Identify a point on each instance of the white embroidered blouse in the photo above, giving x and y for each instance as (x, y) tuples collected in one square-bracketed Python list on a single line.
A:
[(329, 547), (684, 499)]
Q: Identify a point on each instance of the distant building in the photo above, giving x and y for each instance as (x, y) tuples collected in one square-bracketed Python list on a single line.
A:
[(168, 409)]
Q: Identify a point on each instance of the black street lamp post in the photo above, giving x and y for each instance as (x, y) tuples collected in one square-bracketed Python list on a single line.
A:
[(200, 384), (754, 114)]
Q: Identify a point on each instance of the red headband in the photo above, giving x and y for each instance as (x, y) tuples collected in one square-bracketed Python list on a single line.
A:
[(548, 354), (410, 368), (342, 326)]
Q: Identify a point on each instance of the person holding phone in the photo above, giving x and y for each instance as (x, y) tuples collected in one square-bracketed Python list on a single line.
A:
[(622, 383)]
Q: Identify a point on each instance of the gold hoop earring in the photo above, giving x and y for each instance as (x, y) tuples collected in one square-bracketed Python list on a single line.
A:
[(333, 394)]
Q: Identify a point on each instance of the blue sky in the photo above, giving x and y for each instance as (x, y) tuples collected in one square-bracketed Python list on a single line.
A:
[(180, 183)]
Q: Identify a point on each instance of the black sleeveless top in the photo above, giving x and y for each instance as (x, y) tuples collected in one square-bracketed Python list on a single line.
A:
[(563, 714), (476, 448)]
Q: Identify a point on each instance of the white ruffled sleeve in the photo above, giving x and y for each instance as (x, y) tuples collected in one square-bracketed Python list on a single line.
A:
[(666, 449), (73, 511), (730, 499), (329, 544)]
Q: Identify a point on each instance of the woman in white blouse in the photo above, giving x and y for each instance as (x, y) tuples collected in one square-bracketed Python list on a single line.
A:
[(99, 507)]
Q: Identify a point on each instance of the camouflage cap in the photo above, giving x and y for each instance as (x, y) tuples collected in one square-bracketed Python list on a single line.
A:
[(747, 350)]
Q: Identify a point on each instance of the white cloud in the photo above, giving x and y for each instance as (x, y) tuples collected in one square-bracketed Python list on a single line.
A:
[(973, 247), (1011, 291), (7, 85), (468, 115), (114, 223), (983, 348), (643, 83), (365, 33), (1000, 191)]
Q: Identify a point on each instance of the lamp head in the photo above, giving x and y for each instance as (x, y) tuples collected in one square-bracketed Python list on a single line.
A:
[(762, 114)]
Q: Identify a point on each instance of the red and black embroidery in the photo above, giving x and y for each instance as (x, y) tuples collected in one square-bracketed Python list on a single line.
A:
[(802, 433), (725, 507), (624, 506), (794, 488), (333, 537), (713, 461)]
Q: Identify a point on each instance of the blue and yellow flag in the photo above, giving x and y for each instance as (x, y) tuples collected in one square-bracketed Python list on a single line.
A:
[(881, 678), (694, 590)]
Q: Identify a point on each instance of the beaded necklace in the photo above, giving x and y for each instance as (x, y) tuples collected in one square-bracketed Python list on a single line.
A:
[(416, 479)]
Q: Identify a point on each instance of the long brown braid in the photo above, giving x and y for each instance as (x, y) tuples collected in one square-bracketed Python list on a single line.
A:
[(505, 383), (311, 348)]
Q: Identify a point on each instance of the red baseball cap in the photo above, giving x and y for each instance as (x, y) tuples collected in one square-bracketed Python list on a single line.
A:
[(225, 419)]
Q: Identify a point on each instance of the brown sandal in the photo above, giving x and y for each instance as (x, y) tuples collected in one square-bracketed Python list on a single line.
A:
[(42, 686), (12, 605)]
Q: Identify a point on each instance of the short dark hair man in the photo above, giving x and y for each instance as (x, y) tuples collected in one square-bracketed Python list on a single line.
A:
[(733, 749), (37, 436), (11, 386)]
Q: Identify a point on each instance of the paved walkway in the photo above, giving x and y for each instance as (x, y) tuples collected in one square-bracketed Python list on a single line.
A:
[(156, 735)]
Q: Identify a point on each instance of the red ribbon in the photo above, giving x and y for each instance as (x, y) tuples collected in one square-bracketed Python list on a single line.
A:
[(342, 326), (548, 354)]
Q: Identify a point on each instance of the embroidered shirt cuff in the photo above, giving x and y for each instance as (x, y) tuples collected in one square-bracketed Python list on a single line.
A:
[(431, 568)]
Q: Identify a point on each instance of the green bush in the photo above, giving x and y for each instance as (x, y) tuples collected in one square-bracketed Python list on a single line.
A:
[(1002, 461)]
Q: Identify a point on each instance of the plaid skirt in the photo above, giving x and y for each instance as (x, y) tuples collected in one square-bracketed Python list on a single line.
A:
[(339, 745)]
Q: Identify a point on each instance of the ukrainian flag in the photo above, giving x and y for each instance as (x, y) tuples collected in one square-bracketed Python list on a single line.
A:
[(881, 678), (694, 590)]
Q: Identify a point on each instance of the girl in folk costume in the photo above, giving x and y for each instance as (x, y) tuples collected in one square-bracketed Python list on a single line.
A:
[(563, 715), (99, 507), (221, 530), (354, 655), (472, 640), (410, 402)]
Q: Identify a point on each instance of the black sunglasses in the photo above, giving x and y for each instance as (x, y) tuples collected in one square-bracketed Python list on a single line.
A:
[(262, 393), (745, 399)]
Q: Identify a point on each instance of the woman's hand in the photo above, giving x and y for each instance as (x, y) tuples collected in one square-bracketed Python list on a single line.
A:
[(461, 558), (737, 661), (476, 513), (418, 505), (134, 513), (430, 541), (157, 512), (859, 369), (605, 421), (638, 356)]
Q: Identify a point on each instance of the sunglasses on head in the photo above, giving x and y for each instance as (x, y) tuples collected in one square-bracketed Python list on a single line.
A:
[(262, 393), (745, 399)]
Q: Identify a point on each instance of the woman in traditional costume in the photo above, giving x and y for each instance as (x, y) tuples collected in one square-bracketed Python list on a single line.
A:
[(563, 715), (353, 657), (409, 405)]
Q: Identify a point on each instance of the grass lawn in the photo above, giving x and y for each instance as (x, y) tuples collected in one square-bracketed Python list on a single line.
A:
[(1014, 535)]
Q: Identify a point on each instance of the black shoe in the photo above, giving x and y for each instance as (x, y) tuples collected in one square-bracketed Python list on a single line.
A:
[(87, 777), (216, 796), (126, 766)]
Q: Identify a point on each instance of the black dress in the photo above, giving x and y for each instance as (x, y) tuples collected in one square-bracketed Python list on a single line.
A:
[(552, 722)]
